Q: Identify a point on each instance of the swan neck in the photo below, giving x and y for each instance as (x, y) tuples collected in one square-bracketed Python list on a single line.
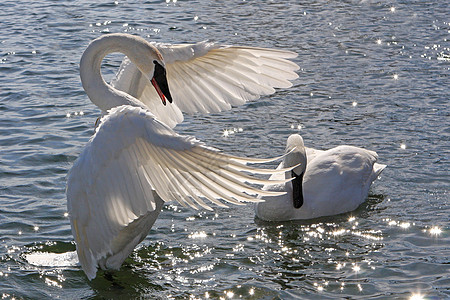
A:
[(101, 93), (297, 189), (296, 158)]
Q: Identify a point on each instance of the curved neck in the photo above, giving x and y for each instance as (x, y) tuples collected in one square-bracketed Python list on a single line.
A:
[(298, 156), (102, 94)]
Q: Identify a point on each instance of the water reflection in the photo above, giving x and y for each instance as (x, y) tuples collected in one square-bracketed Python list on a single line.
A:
[(230, 131), (435, 230), (417, 296), (76, 113), (299, 249), (297, 126)]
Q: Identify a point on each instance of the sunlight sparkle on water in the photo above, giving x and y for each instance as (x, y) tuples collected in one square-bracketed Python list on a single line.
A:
[(356, 268), (229, 294), (416, 296), (435, 230), (54, 283), (379, 41), (392, 9), (228, 132), (392, 223), (354, 103), (395, 76), (339, 231), (318, 286), (405, 225), (197, 235), (403, 146)]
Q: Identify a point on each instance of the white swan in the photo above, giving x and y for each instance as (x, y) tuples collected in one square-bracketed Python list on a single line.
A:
[(135, 162), (325, 183)]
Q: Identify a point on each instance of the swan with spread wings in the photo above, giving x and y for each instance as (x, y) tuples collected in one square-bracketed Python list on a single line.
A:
[(135, 161)]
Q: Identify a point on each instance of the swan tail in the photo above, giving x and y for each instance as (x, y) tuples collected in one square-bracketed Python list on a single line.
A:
[(377, 169)]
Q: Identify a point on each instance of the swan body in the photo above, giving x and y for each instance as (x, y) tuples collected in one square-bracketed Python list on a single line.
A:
[(135, 162), (334, 181)]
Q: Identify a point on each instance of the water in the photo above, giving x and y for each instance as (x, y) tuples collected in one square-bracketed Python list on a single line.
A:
[(373, 74)]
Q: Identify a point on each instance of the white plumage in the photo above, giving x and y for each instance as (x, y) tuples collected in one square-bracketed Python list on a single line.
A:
[(335, 181), (135, 161), (206, 77)]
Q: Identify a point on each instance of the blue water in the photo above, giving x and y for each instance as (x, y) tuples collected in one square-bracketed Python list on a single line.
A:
[(374, 74)]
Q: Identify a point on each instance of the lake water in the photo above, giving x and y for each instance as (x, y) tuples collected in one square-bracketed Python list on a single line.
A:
[(374, 74)]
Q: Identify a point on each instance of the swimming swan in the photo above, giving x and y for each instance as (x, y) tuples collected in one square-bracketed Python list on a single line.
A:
[(135, 161), (325, 183)]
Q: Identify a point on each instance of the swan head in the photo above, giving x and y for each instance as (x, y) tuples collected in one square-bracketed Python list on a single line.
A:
[(141, 53), (296, 154), (150, 62)]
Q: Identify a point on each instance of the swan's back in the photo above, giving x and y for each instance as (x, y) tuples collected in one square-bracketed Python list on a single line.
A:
[(338, 180)]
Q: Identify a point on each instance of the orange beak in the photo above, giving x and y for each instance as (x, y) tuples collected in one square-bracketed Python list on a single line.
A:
[(159, 82)]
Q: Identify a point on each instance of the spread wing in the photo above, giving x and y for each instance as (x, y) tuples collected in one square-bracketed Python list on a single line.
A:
[(206, 77), (132, 162)]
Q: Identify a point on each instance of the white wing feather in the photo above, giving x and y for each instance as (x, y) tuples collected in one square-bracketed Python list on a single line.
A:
[(206, 77), (131, 165)]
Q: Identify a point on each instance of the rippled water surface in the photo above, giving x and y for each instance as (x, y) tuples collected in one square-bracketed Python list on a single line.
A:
[(373, 74)]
